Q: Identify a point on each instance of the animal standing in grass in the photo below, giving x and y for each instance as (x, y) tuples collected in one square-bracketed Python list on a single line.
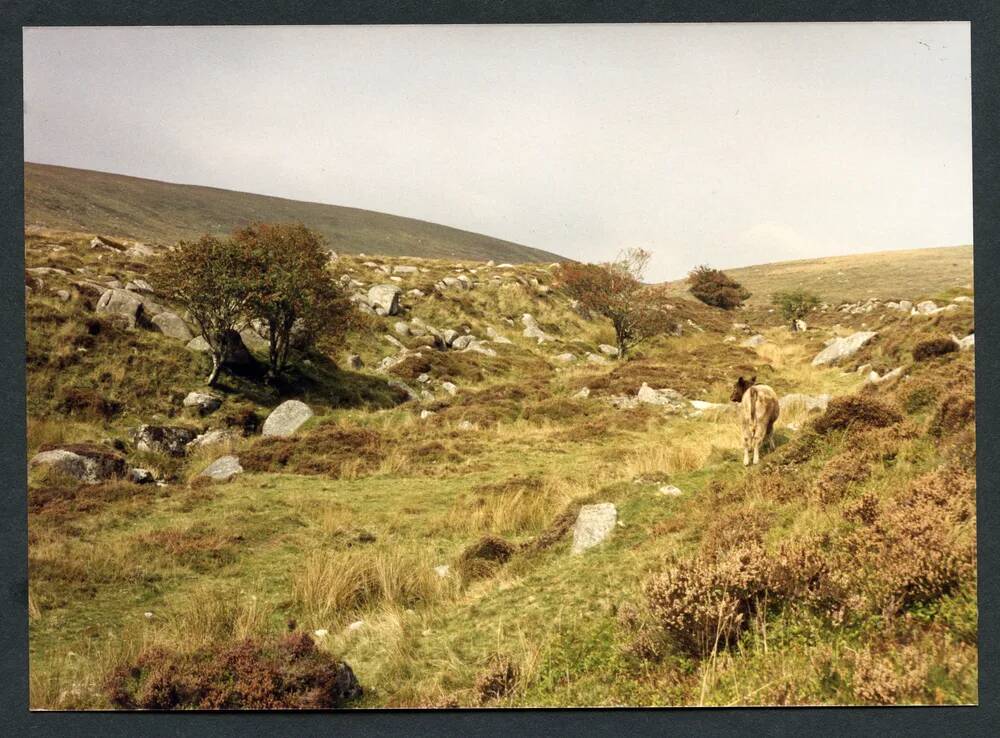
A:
[(758, 412)]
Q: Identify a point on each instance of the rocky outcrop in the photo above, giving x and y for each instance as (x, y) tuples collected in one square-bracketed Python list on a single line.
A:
[(163, 439), (87, 462), (287, 418), (171, 325), (532, 330), (384, 299), (842, 348), (121, 304), (667, 398)]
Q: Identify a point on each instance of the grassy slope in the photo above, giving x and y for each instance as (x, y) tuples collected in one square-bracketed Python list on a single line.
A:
[(131, 207), (885, 275), (380, 495)]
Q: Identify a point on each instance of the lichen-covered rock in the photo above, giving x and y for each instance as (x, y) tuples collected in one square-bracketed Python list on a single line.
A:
[(88, 462), (222, 469), (843, 348), (593, 524), (171, 325), (384, 299), (164, 439), (205, 403), (287, 418), (122, 304)]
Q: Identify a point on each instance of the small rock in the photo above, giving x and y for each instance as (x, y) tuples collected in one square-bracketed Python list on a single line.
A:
[(669, 490), (565, 358), (321, 633), (450, 388), (754, 341), (355, 626), (137, 475), (609, 350), (583, 394), (222, 469), (424, 414), (442, 570), (205, 402), (466, 425), (354, 361)]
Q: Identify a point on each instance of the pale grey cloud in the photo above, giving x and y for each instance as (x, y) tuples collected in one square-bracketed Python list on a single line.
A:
[(721, 144)]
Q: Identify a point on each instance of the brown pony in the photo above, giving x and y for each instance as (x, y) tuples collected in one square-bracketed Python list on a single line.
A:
[(758, 411)]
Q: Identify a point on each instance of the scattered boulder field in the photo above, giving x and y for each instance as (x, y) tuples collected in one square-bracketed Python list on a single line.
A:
[(473, 450)]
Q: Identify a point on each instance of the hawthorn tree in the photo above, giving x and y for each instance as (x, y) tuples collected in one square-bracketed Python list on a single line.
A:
[(714, 287), (292, 297), (209, 276), (794, 304), (616, 291)]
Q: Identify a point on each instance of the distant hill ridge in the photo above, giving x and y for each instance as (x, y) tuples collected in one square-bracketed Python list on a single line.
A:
[(887, 275), (163, 212)]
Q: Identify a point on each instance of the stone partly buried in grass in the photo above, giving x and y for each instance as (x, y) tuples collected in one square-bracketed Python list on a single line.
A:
[(223, 469), (593, 524), (86, 462), (287, 418), (843, 348), (164, 439)]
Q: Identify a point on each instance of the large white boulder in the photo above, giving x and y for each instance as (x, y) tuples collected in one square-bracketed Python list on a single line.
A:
[(170, 324), (287, 418), (384, 298), (843, 348), (593, 525), (121, 303)]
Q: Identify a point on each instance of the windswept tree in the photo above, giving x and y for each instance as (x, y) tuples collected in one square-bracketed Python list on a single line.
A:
[(616, 292), (292, 296), (715, 287), (794, 304), (208, 277)]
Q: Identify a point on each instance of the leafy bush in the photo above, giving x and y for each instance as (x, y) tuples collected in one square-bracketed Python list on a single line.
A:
[(933, 347), (615, 291), (856, 412), (714, 287), (249, 675), (794, 304)]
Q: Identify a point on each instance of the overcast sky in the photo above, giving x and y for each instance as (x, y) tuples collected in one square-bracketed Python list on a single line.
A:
[(722, 144)]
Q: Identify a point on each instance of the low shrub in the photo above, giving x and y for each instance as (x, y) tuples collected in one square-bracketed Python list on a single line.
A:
[(932, 347), (705, 604), (856, 411), (483, 558), (290, 673), (955, 411), (498, 679)]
